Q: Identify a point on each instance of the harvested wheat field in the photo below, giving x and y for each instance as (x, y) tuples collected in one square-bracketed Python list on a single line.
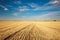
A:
[(29, 30)]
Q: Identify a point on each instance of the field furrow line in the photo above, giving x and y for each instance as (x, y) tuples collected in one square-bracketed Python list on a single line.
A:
[(17, 32)]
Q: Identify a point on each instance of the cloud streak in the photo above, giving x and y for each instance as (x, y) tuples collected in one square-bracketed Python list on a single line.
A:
[(50, 5), (54, 4), (48, 16), (23, 8), (15, 14), (4, 7)]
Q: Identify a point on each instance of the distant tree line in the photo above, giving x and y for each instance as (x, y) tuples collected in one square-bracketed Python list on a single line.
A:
[(54, 20)]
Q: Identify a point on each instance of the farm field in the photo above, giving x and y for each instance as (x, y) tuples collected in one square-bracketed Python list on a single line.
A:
[(29, 30)]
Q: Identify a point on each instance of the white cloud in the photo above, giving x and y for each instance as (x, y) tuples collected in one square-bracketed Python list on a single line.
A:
[(15, 14), (23, 8), (51, 15), (4, 7), (53, 5), (50, 5), (48, 16), (52, 2), (33, 5), (55, 2), (36, 7)]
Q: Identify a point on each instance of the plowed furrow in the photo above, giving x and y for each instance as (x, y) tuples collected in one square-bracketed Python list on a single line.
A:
[(19, 33)]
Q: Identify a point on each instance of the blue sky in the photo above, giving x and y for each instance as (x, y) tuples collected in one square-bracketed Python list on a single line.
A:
[(29, 9)]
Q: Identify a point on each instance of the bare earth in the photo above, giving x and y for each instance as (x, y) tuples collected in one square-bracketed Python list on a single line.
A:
[(29, 30)]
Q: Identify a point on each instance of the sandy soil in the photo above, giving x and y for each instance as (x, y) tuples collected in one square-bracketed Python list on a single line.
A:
[(29, 30)]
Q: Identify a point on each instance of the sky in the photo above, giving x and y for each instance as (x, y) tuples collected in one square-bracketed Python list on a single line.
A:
[(29, 9)]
